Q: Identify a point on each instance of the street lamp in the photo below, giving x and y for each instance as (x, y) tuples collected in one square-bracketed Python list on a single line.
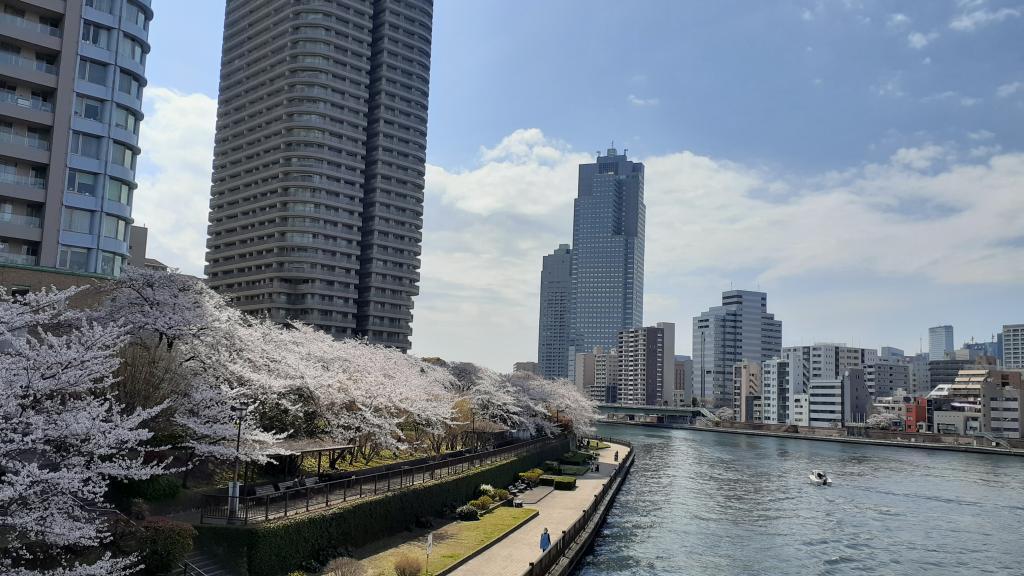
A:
[(234, 493)]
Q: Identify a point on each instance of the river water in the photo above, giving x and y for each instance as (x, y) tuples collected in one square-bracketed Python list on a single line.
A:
[(701, 503)]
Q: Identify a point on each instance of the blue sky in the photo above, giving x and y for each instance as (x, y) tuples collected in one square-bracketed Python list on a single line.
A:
[(860, 161)]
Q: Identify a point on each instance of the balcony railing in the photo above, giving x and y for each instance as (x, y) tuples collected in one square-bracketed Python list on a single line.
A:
[(34, 103), (24, 140), (23, 259), (22, 180), (30, 221), (22, 62), (29, 25)]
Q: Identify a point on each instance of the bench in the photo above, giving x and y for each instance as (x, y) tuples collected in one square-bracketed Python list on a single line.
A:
[(288, 485), (311, 481), (265, 490)]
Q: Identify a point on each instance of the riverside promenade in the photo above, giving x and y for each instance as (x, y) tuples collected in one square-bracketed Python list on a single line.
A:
[(558, 510)]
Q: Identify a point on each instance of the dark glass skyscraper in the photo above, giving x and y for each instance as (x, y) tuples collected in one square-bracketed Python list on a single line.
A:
[(317, 200), (607, 252)]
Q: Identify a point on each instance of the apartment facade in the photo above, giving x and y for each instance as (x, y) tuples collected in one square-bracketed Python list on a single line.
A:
[(775, 391), (596, 374), (646, 358), (1013, 346), (71, 81), (746, 385), (740, 329), (884, 376), (316, 205), (835, 402), (555, 294)]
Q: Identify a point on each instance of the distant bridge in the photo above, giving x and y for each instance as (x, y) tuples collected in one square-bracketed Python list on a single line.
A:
[(685, 415)]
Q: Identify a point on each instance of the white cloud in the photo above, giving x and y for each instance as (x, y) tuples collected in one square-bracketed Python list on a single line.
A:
[(1009, 89), (642, 102), (173, 197), (950, 96), (981, 135), (889, 88), (976, 15), (918, 40), (926, 60), (985, 151), (710, 221), (897, 21), (968, 101)]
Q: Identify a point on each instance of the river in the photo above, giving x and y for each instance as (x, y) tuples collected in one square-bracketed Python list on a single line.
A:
[(703, 503)]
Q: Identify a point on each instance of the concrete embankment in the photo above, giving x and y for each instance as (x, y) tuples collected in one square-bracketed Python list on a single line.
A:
[(843, 439)]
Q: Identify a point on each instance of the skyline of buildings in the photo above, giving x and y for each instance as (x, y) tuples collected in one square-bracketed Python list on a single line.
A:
[(71, 83), (316, 205)]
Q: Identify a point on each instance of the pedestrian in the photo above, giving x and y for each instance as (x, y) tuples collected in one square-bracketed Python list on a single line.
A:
[(545, 541), (616, 455)]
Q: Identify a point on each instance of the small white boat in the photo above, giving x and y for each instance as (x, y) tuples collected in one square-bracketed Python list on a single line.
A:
[(819, 478)]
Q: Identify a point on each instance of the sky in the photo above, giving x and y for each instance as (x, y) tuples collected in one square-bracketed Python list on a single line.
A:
[(860, 161)]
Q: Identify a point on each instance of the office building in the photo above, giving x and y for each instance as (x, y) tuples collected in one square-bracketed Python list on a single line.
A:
[(944, 372), (833, 403), (71, 81), (1013, 346), (596, 374), (889, 352), (978, 401), (746, 390), (919, 378), (527, 367), (607, 251), (885, 376), (740, 329), (940, 342), (683, 380), (646, 375), (137, 251), (555, 294), (317, 196), (775, 391), (828, 361)]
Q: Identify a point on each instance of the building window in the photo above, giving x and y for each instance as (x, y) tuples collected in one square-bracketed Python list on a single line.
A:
[(118, 191), (123, 155), (85, 145), (126, 120), (115, 228), (81, 182), (74, 259), (101, 5), (129, 84), (94, 72), (131, 49), (96, 35), (135, 15), (111, 264), (77, 221), (89, 108)]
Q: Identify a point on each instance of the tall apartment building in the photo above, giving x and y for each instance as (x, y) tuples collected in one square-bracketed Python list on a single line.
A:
[(940, 342), (683, 380), (740, 329), (596, 374), (71, 81), (829, 361), (835, 402), (555, 294), (746, 386), (1013, 346), (647, 365), (607, 251), (317, 196), (528, 367), (775, 391)]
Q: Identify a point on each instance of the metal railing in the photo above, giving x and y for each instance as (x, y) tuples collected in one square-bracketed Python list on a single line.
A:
[(282, 503), (190, 569), (555, 554)]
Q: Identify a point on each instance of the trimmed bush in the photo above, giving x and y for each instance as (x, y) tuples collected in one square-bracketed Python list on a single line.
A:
[(276, 547), (550, 466), (467, 513), (345, 567), (577, 458), (165, 543), (532, 477), (500, 494), (408, 566), (482, 503), (565, 483)]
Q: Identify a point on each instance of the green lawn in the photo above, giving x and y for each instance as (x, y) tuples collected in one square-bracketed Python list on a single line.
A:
[(574, 470), (598, 445), (452, 542)]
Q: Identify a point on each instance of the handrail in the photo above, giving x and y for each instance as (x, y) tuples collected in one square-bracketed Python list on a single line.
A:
[(555, 553), (290, 501)]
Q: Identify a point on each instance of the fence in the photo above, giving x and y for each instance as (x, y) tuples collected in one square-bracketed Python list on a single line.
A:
[(553, 555), (218, 508)]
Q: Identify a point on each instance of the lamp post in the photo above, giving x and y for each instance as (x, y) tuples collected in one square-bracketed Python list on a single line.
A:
[(234, 493)]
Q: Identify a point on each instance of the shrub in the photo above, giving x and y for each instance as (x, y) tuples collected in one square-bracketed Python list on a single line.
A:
[(551, 466), (408, 566), (345, 567), (165, 543), (467, 513), (577, 458), (486, 490), (487, 501), (482, 503), (532, 477), (500, 494), (565, 483)]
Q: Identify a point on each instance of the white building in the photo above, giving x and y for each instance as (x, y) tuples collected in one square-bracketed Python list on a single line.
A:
[(799, 412), (595, 372), (746, 383), (646, 375), (775, 391), (1013, 346), (836, 402)]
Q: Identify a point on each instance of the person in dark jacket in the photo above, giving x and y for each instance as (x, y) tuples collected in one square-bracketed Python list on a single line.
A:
[(545, 540)]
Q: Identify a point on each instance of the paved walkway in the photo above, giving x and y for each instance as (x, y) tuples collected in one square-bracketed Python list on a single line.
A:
[(512, 556)]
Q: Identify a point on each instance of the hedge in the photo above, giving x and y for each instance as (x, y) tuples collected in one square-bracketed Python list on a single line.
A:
[(279, 546), (165, 544), (559, 482)]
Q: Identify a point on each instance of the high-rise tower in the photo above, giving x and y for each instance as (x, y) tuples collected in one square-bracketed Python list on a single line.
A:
[(71, 81), (317, 196), (555, 294), (607, 252)]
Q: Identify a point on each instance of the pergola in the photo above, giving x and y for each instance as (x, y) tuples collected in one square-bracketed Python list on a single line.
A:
[(301, 448)]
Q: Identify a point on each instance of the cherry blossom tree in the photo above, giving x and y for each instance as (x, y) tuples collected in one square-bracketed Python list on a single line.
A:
[(63, 434)]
